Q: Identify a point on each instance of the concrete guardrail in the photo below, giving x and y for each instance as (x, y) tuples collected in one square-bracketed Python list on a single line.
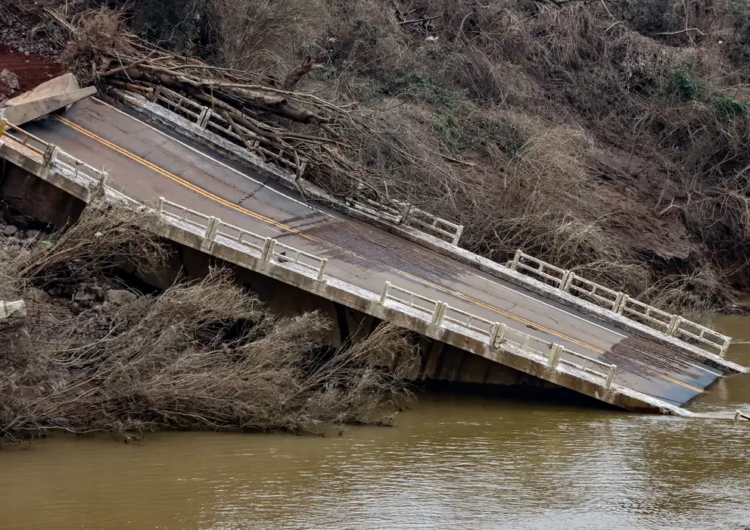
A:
[(620, 303)]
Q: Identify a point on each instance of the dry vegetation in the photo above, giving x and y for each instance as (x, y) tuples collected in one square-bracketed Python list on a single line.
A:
[(201, 355), (610, 137)]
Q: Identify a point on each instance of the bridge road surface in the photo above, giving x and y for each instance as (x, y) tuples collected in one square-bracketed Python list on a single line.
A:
[(146, 163)]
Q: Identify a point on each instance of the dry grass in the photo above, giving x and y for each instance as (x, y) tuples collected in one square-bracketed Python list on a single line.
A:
[(201, 355)]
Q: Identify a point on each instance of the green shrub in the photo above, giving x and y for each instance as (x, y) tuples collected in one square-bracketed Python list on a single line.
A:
[(680, 86), (727, 108)]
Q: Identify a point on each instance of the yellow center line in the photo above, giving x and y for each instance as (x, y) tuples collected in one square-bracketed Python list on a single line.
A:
[(287, 228)]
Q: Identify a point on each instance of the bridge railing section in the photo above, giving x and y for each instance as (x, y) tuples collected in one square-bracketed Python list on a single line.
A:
[(51, 154), (206, 119), (497, 334), (621, 304)]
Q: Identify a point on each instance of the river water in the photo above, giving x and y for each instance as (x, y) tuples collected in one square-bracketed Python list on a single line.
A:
[(450, 463)]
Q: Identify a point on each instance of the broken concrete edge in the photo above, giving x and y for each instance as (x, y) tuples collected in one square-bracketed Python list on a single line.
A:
[(155, 112), (53, 87), (365, 301), (44, 99)]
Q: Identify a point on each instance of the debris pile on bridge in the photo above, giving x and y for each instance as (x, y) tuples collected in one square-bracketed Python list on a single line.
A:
[(298, 131)]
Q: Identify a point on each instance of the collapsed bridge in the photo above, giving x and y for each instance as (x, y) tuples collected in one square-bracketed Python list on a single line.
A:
[(526, 322)]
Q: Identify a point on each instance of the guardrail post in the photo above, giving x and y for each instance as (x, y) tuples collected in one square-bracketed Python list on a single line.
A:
[(498, 332), (268, 247), (384, 294), (459, 232), (555, 351), (209, 236), (322, 270), (516, 260), (564, 281), (610, 376), (725, 347), (621, 306), (3, 125), (436, 312), (160, 206), (205, 115), (617, 302), (50, 155), (441, 315), (674, 325)]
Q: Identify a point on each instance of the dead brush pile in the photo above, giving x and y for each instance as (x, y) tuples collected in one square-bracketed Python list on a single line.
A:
[(608, 137), (201, 355)]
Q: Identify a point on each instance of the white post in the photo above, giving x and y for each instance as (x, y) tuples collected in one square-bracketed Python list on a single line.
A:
[(459, 232), (516, 259), (160, 206), (50, 154), (555, 351), (725, 347), (610, 377), (205, 115), (498, 332), (209, 233), (623, 302), (267, 252), (322, 270), (436, 313), (384, 294), (674, 325), (564, 281), (441, 315)]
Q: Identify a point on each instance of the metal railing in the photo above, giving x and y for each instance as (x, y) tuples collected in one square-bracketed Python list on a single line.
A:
[(7, 129), (412, 299), (437, 313), (621, 304)]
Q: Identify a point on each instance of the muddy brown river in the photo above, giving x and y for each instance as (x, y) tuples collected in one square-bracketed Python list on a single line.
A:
[(474, 463)]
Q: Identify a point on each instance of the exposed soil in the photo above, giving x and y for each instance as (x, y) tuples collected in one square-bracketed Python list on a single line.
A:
[(31, 70)]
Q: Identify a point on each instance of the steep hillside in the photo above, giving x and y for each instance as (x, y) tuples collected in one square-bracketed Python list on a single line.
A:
[(610, 137)]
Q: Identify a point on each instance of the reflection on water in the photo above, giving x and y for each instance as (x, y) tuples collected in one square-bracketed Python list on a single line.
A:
[(457, 463)]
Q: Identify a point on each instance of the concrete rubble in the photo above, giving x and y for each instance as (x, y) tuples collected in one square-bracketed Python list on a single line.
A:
[(48, 97)]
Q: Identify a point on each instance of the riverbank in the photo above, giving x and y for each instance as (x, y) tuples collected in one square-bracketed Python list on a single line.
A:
[(93, 354)]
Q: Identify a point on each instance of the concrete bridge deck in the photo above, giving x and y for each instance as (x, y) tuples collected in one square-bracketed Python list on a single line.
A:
[(146, 163)]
